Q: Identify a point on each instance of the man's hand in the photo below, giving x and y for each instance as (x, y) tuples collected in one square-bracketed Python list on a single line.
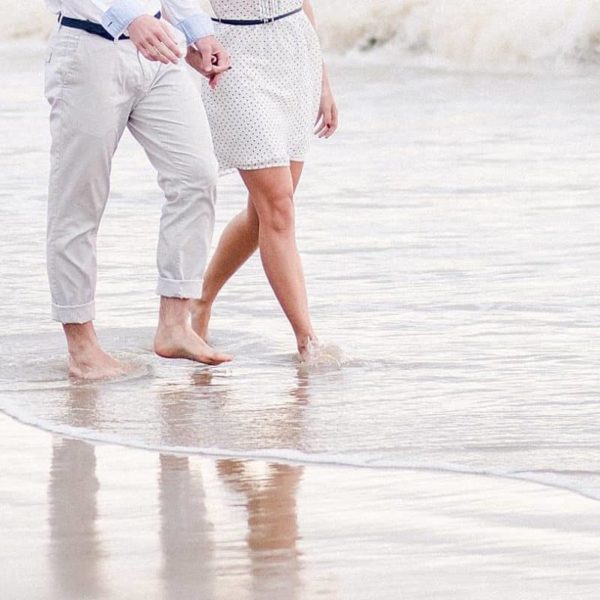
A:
[(154, 40), (209, 58)]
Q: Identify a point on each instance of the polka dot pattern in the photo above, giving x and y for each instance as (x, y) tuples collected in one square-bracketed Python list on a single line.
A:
[(263, 111)]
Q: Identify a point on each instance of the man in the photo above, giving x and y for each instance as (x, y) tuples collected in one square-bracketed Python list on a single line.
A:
[(112, 65)]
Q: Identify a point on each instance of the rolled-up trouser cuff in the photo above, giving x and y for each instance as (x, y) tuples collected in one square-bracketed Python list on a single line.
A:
[(175, 288), (74, 314)]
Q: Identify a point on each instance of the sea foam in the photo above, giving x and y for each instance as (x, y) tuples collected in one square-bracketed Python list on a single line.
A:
[(493, 35)]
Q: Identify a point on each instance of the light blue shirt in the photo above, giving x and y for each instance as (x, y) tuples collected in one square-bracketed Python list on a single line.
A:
[(116, 15)]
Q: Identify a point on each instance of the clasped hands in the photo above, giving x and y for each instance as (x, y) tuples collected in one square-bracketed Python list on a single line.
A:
[(154, 40)]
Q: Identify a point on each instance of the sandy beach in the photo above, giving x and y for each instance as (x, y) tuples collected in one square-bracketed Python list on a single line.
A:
[(98, 521)]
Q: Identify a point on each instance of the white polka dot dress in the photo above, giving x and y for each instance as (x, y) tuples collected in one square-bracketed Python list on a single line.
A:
[(263, 111)]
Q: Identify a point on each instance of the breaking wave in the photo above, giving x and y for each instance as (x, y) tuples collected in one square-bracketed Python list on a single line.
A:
[(485, 35)]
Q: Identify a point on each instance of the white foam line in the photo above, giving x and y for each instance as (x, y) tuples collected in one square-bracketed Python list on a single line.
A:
[(292, 457)]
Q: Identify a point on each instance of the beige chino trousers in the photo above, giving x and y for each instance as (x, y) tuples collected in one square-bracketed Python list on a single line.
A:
[(96, 88)]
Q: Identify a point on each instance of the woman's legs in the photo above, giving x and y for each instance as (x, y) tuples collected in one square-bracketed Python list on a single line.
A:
[(238, 242), (272, 194)]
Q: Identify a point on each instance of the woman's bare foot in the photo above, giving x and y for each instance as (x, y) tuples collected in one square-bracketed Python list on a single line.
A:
[(200, 311), (182, 341), (306, 347)]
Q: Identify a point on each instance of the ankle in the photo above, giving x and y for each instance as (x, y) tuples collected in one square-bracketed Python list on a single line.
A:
[(81, 337), (306, 340), (174, 313)]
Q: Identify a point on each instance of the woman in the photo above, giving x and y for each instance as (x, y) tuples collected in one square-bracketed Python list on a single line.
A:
[(262, 115)]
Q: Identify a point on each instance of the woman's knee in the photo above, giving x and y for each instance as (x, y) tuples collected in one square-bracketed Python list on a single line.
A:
[(276, 212), (252, 215)]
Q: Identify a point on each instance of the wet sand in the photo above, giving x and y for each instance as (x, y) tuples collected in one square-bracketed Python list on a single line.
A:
[(99, 521)]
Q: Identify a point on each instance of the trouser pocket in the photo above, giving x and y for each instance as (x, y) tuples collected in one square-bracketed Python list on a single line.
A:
[(61, 61)]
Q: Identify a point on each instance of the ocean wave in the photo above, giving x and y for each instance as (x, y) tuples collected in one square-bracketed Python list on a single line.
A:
[(582, 483), (484, 35)]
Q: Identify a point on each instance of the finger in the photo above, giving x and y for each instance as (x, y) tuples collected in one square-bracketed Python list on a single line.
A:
[(322, 126), (170, 50), (214, 80), (202, 72), (319, 122), (221, 59), (330, 127), (325, 132), (168, 39), (149, 52), (206, 57), (168, 53), (220, 69), (152, 47), (334, 123), (149, 56), (326, 122)]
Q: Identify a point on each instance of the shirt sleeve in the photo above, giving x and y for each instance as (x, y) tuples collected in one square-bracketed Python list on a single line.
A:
[(119, 14), (189, 19)]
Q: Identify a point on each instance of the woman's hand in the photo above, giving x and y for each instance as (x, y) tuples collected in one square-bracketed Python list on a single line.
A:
[(327, 121), (209, 58)]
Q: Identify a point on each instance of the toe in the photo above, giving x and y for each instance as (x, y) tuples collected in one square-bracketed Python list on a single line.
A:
[(221, 358)]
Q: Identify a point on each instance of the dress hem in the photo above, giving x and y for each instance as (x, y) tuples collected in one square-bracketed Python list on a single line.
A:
[(226, 170)]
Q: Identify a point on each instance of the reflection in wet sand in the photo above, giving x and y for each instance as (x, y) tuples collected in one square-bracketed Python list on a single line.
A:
[(186, 534), (271, 508), (272, 526), (75, 551)]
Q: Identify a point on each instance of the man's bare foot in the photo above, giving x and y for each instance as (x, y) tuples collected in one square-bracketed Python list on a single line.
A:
[(200, 311), (181, 341), (87, 360), (92, 364)]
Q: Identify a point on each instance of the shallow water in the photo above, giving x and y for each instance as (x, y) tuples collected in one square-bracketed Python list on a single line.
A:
[(450, 239)]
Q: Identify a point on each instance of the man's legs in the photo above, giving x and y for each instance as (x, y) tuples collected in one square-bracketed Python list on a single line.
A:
[(170, 123), (86, 127)]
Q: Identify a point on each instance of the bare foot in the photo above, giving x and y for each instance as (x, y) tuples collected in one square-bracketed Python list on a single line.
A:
[(92, 364), (200, 312), (306, 347), (180, 341)]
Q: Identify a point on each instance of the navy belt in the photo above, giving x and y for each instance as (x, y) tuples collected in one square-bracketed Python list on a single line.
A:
[(92, 27), (257, 21)]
